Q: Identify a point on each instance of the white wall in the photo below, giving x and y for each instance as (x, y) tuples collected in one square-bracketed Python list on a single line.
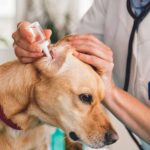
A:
[(7, 18), (7, 26)]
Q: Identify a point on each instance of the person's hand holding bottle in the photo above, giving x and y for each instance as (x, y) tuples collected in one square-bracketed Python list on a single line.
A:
[(25, 44)]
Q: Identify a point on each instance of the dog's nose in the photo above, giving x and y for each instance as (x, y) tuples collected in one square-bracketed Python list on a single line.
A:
[(110, 137), (73, 136)]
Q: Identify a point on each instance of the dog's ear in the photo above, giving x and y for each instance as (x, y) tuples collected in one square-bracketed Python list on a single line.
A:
[(50, 67)]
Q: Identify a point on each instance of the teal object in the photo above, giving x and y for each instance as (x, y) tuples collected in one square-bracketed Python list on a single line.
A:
[(57, 140)]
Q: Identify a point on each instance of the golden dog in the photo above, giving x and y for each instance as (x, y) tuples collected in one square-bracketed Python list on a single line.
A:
[(63, 92)]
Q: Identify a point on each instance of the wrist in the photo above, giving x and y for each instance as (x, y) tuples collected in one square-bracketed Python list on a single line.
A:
[(110, 94)]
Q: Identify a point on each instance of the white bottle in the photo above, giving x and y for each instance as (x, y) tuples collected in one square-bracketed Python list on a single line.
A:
[(37, 31)]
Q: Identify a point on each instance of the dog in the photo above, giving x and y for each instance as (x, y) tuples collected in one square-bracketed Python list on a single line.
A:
[(63, 92)]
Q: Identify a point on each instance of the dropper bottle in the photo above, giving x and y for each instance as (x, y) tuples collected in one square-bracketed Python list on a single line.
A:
[(38, 33)]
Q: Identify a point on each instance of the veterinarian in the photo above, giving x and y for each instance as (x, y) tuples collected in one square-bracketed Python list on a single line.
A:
[(124, 27)]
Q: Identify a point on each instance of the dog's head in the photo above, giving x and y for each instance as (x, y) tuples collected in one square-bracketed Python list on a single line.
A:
[(68, 95)]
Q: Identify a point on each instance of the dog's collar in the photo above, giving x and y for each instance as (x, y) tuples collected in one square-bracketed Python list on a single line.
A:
[(8, 121)]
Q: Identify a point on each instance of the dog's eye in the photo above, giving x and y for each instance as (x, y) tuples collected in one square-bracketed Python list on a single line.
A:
[(86, 98)]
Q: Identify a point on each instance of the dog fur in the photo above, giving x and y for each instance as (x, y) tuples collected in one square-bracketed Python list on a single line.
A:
[(47, 92)]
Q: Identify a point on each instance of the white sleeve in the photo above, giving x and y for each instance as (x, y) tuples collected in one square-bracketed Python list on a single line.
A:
[(93, 21)]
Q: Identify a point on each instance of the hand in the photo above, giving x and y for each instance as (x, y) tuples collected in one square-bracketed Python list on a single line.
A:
[(25, 44), (93, 52)]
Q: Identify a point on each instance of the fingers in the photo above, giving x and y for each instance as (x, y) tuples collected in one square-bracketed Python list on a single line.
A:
[(87, 38), (24, 32), (27, 60), (21, 23), (26, 44), (23, 53), (22, 35), (89, 44), (33, 47), (93, 52), (101, 65), (26, 56), (92, 49), (23, 29)]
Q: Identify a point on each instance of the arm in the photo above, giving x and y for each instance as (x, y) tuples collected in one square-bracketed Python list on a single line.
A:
[(130, 111), (127, 108)]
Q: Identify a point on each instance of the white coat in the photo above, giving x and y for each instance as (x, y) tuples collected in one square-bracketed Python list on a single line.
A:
[(110, 21)]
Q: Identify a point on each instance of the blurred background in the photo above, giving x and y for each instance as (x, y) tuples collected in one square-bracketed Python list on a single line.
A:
[(62, 17)]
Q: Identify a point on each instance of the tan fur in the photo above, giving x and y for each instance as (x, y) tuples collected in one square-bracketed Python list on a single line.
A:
[(48, 92)]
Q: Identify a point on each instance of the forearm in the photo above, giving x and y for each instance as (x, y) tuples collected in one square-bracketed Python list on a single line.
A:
[(130, 111)]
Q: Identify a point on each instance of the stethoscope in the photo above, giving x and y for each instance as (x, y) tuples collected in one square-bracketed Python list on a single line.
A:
[(137, 21)]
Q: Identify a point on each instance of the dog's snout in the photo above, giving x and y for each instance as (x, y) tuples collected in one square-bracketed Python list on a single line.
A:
[(110, 137)]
